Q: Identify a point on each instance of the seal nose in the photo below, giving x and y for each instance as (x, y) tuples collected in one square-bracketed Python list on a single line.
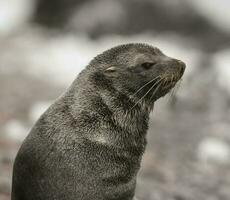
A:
[(181, 66)]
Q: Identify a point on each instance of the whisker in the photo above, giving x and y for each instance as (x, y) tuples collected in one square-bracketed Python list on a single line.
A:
[(146, 93), (172, 94), (165, 81), (178, 85), (155, 91), (144, 86)]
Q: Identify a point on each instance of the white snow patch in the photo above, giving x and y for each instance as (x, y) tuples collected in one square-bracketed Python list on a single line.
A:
[(14, 13), (214, 150), (15, 130), (222, 65), (37, 110)]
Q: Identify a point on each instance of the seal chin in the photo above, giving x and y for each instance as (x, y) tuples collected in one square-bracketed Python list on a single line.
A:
[(168, 83)]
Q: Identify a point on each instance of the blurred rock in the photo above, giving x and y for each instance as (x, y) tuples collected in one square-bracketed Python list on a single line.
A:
[(132, 17), (18, 94), (98, 16), (55, 13)]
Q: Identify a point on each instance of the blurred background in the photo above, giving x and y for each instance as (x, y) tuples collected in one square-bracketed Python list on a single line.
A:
[(44, 44)]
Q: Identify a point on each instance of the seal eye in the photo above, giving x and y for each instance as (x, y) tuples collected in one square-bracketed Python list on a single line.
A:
[(147, 65)]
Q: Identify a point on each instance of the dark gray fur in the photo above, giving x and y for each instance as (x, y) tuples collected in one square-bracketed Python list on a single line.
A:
[(88, 145)]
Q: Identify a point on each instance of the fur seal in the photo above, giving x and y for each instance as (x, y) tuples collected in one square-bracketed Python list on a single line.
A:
[(89, 143)]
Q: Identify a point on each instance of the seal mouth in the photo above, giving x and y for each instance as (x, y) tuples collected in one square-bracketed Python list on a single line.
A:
[(169, 81)]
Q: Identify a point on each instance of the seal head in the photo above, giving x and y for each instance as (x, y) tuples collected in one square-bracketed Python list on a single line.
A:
[(139, 71)]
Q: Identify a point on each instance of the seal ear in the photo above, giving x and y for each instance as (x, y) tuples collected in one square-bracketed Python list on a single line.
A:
[(111, 69)]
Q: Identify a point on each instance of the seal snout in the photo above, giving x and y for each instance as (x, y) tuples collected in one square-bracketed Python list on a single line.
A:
[(173, 74), (180, 66)]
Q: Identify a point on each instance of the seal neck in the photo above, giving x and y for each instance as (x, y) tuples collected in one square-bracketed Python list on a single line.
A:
[(107, 115), (133, 120)]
